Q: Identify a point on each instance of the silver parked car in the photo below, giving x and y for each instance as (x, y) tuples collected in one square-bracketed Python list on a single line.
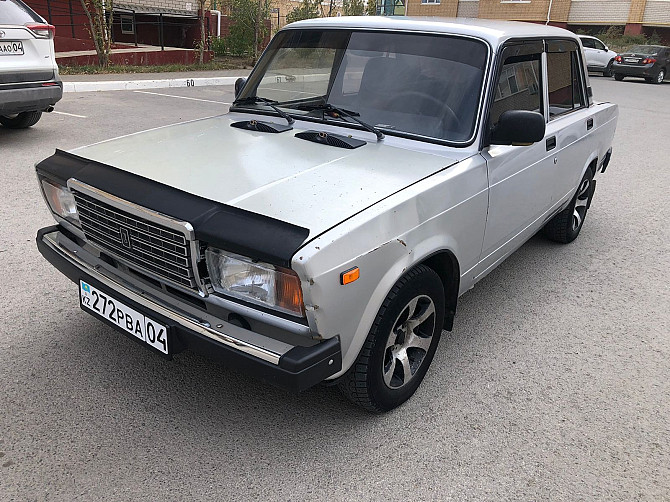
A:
[(375, 169), (599, 58), (29, 82)]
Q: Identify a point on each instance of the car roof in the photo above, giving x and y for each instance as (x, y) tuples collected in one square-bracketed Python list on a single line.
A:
[(493, 31)]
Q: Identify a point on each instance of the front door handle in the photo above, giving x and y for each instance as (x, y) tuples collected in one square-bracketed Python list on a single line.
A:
[(589, 123), (551, 143)]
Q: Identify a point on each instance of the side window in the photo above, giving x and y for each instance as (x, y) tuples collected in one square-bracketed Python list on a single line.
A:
[(519, 87), (564, 82), (599, 45), (588, 43)]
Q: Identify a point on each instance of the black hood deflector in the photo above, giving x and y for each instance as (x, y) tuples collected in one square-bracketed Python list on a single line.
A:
[(229, 228)]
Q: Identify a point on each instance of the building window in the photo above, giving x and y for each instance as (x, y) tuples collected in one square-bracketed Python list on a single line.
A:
[(428, 2), (127, 25)]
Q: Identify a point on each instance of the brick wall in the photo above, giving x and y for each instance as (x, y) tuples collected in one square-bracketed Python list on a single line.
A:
[(446, 8), (533, 10), (599, 12), (656, 12)]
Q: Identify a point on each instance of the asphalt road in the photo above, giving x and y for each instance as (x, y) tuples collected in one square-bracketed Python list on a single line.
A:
[(554, 384)]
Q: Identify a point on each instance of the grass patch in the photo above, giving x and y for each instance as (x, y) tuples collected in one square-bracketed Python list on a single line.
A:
[(219, 63)]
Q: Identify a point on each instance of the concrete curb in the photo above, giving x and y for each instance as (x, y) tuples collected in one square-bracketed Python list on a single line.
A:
[(131, 85)]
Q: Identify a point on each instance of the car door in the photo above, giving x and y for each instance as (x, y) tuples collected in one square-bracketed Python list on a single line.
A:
[(590, 51), (601, 55), (570, 120), (520, 177)]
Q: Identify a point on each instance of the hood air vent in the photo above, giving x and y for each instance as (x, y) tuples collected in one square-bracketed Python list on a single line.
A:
[(330, 139), (256, 125)]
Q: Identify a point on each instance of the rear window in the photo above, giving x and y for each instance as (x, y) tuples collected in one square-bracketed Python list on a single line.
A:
[(16, 12), (647, 50)]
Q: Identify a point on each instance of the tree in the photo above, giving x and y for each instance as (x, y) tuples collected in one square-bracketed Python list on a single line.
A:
[(371, 9), (100, 27), (203, 39), (248, 28), (353, 7), (307, 9)]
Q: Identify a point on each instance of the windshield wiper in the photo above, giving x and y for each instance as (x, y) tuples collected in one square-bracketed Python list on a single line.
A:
[(270, 102), (335, 111)]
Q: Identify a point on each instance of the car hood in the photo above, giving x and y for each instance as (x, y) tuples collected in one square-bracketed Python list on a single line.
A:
[(307, 184)]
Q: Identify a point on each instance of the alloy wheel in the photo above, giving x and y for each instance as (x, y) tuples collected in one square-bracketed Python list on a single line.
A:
[(409, 341), (660, 77), (581, 203)]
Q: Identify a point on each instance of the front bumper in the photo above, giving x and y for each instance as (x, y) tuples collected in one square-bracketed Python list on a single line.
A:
[(29, 97), (293, 368), (646, 71)]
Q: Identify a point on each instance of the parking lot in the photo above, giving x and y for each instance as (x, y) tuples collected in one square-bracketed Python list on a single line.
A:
[(554, 384)]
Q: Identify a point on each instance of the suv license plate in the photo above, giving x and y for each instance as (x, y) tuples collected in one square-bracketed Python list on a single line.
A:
[(129, 320), (11, 48)]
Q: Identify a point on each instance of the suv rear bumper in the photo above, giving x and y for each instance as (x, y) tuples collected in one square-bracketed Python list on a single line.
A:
[(296, 369), (19, 98)]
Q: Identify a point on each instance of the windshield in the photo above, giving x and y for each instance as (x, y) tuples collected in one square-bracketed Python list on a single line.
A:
[(647, 50), (427, 85)]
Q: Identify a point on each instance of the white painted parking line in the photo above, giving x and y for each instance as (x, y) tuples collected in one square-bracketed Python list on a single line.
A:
[(70, 114), (183, 97)]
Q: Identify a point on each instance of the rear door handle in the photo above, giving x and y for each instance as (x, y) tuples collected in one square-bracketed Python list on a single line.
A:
[(589, 123), (551, 143)]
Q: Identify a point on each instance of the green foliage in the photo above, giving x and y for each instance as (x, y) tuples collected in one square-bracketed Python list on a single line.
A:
[(218, 46), (353, 7), (307, 9), (246, 19), (615, 39), (371, 9)]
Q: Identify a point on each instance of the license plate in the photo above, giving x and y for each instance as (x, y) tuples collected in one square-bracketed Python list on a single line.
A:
[(11, 48), (129, 320), (631, 60)]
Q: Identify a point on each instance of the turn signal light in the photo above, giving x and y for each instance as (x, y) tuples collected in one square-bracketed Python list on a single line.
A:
[(350, 276)]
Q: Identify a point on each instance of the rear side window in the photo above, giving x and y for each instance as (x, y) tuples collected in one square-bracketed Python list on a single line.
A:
[(16, 12), (519, 87), (564, 82)]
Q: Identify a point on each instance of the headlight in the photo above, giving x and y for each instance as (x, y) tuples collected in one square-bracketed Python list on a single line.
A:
[(260, 283), (61, 201)]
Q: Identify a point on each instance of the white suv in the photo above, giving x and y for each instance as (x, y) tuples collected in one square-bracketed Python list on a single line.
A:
[(599, 57), (29, 82)]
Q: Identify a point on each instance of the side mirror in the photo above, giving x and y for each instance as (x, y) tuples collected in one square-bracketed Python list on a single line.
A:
[(239, 85), (518, 127)]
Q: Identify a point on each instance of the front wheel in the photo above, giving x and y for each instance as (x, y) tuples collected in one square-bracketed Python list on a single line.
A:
[(565, 226), (401, 344), (618, 77), (660, 77), (20, 120)]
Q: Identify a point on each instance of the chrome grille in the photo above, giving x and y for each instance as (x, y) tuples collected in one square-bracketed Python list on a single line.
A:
[(138, 243)]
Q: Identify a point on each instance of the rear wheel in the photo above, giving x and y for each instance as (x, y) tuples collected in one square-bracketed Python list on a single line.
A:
[(401, 344), (20, 120), (608, 70), (618, 77), (565, 226)]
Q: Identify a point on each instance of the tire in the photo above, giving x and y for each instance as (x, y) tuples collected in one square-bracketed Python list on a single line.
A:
[(378, 380), (566, 225), (618, 77), (607, 72), (660, 77), (21, 121)]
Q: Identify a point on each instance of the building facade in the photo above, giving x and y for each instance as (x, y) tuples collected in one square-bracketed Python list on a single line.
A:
[(635, 16)]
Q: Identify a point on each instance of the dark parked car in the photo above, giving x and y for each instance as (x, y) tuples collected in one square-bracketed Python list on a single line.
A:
[(650, 62)]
